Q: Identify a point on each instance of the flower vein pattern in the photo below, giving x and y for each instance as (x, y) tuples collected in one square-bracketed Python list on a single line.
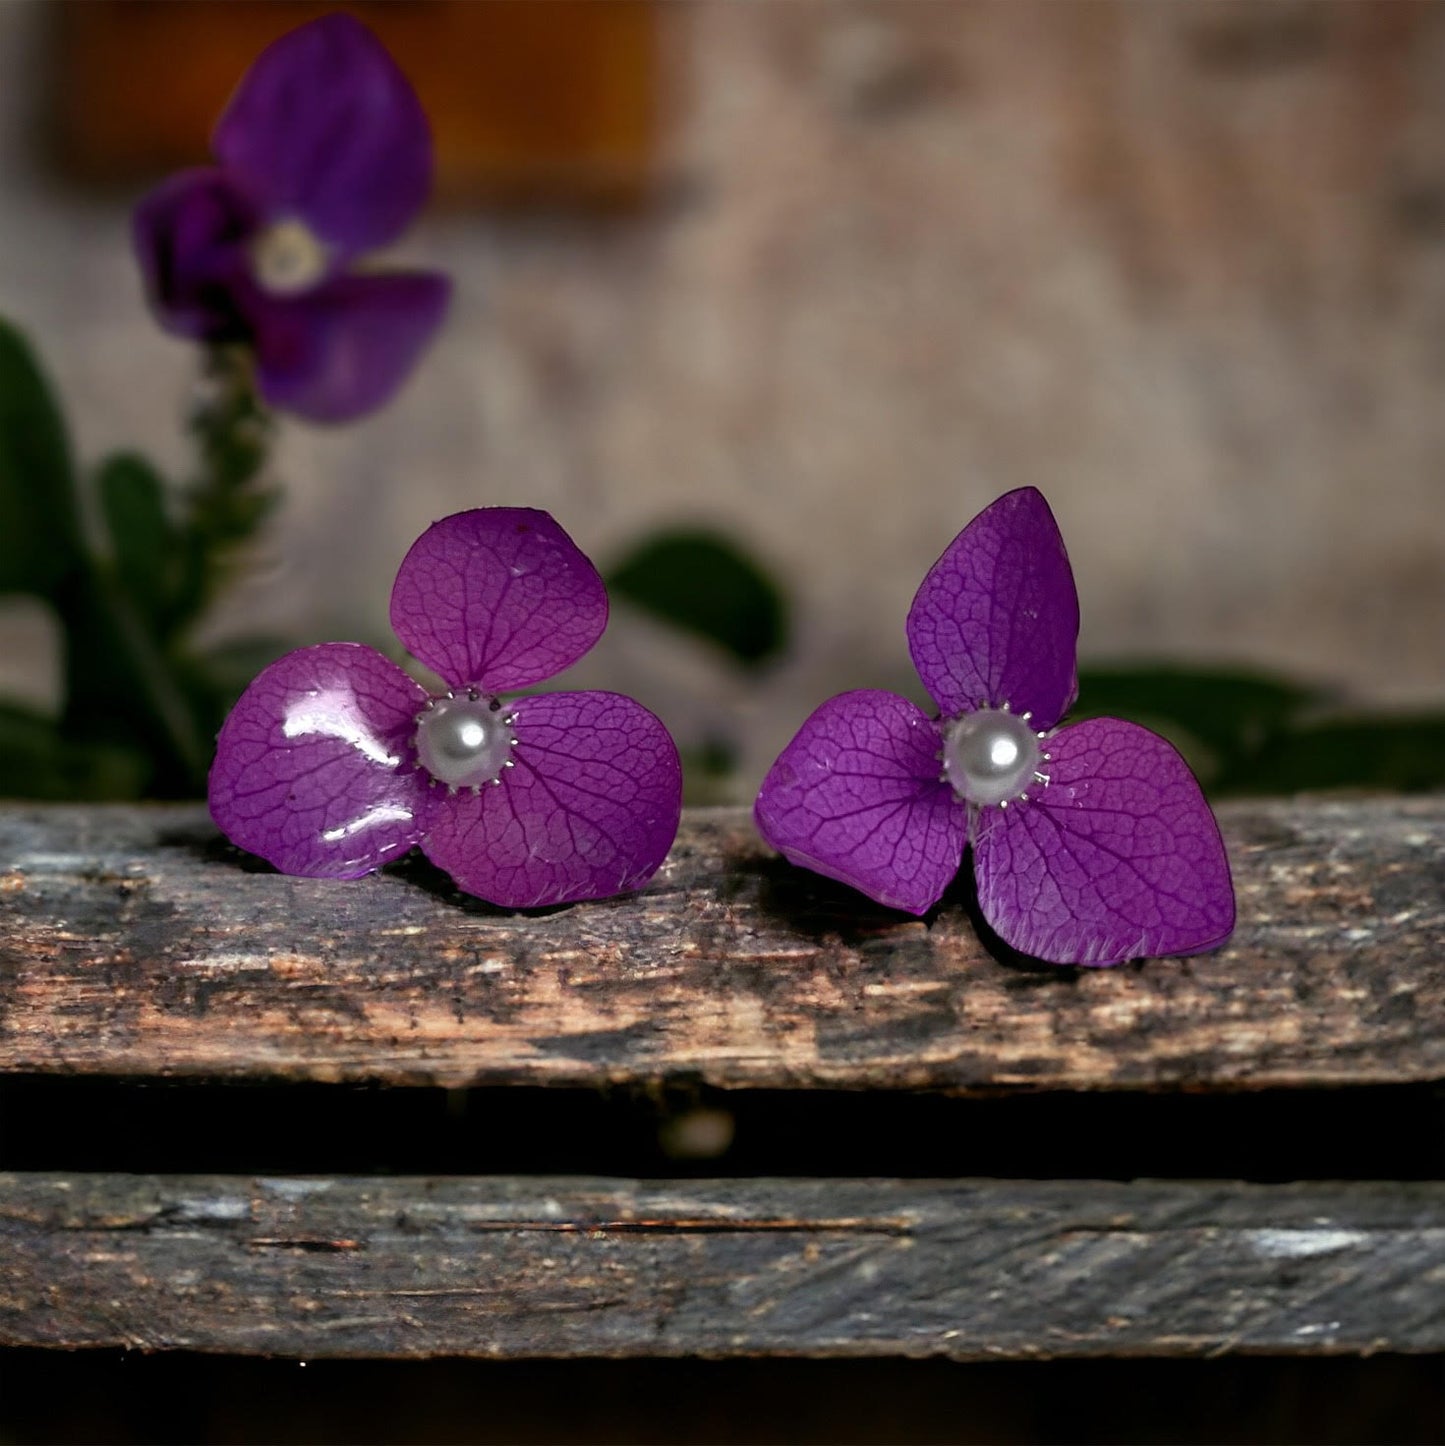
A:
[(1091, 842)]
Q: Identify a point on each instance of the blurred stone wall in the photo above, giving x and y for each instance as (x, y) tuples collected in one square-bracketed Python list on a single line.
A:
[(1180, 266)]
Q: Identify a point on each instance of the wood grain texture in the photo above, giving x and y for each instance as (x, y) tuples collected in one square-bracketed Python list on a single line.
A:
[(572, 1266), (135, 942)]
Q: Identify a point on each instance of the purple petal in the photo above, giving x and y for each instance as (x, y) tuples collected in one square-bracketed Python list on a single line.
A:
[(314, 768), (190, 233), (344, 349), (498, 598), (997, 618), (325, 128), (856, 796), (1118, 857), (589, 810)]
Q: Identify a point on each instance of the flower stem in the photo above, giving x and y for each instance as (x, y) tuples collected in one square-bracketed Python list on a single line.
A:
[(230, 497), (131, 674)]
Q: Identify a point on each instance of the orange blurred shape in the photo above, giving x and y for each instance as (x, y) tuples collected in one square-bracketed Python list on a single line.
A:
[(530, 100)]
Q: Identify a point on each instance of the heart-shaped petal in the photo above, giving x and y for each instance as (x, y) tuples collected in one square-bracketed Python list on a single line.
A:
[(589, 809), (996, 621), (314, 769), (498, 598), (324, 128), (344, 349), (857, 796), (1117, 857), (190, 234)]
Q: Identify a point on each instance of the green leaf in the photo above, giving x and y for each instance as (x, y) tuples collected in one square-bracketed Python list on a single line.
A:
[(233, 664), (143, 540), (1405, 755), (705, 584), (1230, 712), (219, 676), (122, 686), (40, 537), (36, 763), (708, 771)]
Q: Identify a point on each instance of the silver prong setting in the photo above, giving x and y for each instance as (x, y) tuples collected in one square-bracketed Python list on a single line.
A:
[(463, 739)]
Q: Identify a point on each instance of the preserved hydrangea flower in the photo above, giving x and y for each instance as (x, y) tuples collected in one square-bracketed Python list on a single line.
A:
[(324, 153), (335, 761), (1092, 843)]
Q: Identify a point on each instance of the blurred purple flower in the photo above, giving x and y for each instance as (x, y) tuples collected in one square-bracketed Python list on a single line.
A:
[(323, 153), (335, 761), (1092, 844)]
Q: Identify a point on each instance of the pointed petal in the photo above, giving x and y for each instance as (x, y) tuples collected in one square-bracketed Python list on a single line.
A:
[(1118, 857), (590, 809), (325, 128), (344, 349), (190, 233), (313, 767), (499, 598), (997, 618), (856, 796)]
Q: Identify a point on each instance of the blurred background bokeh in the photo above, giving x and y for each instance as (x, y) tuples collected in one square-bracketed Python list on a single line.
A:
[(826, 278)]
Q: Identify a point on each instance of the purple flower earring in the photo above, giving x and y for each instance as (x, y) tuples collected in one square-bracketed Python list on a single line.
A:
[(323, 153), (335, 761), (1092, 843)]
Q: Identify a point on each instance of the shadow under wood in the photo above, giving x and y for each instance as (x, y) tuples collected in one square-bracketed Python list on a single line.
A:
[(125, 1397), (85, 1124)]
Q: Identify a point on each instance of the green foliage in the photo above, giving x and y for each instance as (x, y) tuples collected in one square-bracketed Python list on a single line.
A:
[(1248, 733), (232, 665), (708, 770), (145, 546), (37, 762), (704, 584), (40, 538), (139, 708), (1405, 755), (1226, 710)]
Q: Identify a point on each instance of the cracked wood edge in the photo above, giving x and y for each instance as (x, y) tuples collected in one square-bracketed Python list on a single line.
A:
[(133, 941), (573, 1266)]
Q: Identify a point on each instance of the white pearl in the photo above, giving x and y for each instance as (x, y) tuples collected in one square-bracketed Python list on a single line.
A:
[(990, 756), (288, 257), (463, 741)]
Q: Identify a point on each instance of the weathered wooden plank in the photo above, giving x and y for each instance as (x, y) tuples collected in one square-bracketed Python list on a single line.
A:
[(135, 942), (566, 1266)]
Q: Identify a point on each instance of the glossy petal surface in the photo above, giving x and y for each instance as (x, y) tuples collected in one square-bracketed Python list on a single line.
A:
[(499, 597), (1119, 857), (343, 350), (313, 767), (189, 236), (325, 128), (997, 618), (590, 809), (856, 796)]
